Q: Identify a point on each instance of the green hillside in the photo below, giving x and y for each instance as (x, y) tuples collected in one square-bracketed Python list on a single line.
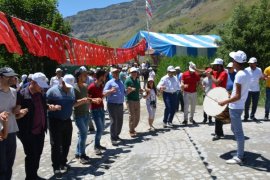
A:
[(118, 23)]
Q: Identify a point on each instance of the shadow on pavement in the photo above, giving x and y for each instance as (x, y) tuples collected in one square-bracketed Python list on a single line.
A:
[(95, 165), (251, 160)]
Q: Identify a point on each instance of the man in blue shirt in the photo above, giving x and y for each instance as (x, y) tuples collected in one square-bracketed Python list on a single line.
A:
[(60, 125), (115, 91)]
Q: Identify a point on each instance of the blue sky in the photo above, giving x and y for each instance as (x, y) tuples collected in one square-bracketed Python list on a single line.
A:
[(71, 7)]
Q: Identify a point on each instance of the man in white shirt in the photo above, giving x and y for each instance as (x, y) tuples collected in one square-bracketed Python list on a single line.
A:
[(152, 73), (237, 103), (57, 79), (169, 85), (254, 89)]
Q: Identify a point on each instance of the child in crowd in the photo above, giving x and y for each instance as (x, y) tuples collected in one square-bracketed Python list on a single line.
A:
[(150, 95)]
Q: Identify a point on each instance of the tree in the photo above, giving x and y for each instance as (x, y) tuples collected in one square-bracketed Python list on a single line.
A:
[(98, 41), (248, 30), (39, 12)]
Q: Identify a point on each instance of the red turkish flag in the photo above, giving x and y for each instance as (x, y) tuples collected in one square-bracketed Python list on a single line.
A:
[(79, 50), (7, 36), (54, 45), (31, 35), (68, 47)]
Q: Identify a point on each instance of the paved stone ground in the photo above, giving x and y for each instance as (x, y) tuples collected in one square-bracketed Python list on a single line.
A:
[(182, 152)]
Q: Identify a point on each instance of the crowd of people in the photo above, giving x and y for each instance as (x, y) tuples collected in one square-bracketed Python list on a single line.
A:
[(31, 107)]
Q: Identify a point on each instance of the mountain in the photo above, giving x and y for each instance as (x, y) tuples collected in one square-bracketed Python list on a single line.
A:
[(118, 23)]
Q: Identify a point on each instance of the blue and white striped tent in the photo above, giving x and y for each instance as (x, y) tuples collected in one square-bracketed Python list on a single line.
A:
[(177, 44)]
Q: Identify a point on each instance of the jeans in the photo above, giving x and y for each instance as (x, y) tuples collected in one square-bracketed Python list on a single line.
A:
[(33, 147), (254, 97), (99, 119), (267, 102), (180, 100), (237, 129), (170, 101), (82, 123), (60, 137), (7, 156)]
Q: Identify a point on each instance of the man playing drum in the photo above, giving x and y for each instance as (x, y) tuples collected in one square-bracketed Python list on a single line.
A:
[(237, 103)]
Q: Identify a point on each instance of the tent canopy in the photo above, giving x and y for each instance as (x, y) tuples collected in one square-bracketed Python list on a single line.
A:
[(177, 44)]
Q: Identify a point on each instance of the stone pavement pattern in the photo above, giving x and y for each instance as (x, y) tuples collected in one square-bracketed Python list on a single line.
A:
[(181, 152)]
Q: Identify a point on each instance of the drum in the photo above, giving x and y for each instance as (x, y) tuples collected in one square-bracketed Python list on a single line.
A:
[(210, 103)]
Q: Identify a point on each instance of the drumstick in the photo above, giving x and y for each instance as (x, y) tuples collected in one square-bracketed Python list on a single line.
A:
[(212, 98)]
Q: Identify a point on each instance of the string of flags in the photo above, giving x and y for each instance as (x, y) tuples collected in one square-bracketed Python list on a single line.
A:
[(42, 42)]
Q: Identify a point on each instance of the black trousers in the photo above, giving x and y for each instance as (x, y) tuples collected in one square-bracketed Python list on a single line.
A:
[(219, 128), (33, 147), (7, 156), (60, 138), (116, 116), (180, 100)]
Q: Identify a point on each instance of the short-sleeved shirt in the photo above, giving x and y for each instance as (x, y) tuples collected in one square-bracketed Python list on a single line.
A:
[(207, 83), (55, 81), (81, 92), (8, 102), (134, 95), (191, 79), (171, 83), (95, 92), (57, 96), (255, 76), (243, 78), (117, 97), (267, 73), (221, 76)]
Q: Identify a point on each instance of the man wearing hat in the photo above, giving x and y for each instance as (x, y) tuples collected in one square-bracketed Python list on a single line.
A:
[(133, 88), (237, 103), (180, 98), (169, 86), (33, 125), (81, 113), (231, 76), (219, 79), (254, 89), (60, 125), (115, 91), (189, 83), (57, 79), (152, 73), (8, 145)]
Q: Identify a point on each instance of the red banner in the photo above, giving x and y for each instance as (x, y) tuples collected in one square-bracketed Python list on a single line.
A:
[(7, 36)]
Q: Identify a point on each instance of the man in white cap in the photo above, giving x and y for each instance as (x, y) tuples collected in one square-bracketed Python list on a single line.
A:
[(169, 86), (60, 125), (57, 79), (237, 103), (231, 76), (180, 98), (254, 89), (219, 79), (189, 83), (152, 73), (115, 91), (33, 126), (133, 88)]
